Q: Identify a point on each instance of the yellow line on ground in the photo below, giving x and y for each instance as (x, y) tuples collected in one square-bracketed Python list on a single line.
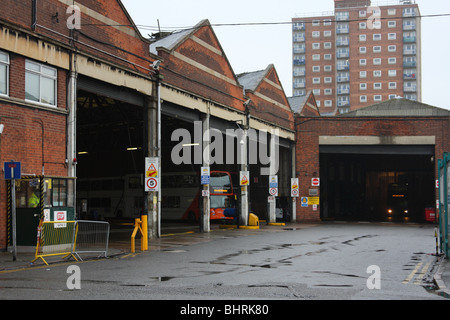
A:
[(422, 273), (412, 274)]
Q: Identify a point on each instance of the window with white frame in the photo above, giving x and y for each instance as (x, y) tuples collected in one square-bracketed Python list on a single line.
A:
[(377, 97), (392, 48), (327, 22), (392, 85), (377, 86), (363, 74), (316, 34), (391, 12), (377, 61), (392, 24), (316, 45), (362, 37), (316, 57), (4, 73), (362, 49), (392, 36), (392, 60), (377, 49), (377, 37), (40, 83), (362, 98), (327, 56), (328, 80), (316, 80), (316, 68), (377, 73), (327, 45), (327, 33), (362, 62), (327, 68), (363, 86), (392, 73), (328, 103)]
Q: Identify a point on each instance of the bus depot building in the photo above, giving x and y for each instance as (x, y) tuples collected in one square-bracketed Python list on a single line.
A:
[(377, 163), (83, 106)]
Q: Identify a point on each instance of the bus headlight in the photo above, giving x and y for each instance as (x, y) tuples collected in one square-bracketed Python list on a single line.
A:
[(389, 211)]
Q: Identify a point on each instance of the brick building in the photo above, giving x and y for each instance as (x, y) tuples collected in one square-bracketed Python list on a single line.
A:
[(359, 155), (78, 104), (361, 55)]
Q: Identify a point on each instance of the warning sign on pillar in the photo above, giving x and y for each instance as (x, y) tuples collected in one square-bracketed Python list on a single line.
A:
[(244, 178), (294, 188), (151, 184), (151, 174), (273, 192)]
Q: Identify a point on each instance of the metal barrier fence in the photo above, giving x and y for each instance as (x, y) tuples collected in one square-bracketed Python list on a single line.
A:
[(91, 237), (72, 238), (55, 239)]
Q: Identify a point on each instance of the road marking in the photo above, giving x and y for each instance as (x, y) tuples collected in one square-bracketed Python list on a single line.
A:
[(412, 274), (422, 274)]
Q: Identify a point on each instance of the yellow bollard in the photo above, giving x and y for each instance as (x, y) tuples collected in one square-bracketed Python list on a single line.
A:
[(144, 228)]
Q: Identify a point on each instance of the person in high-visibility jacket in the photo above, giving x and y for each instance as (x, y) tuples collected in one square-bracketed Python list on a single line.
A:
[(33, 201)]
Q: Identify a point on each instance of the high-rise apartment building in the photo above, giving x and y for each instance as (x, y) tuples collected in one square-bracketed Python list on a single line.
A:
[(360, 54)]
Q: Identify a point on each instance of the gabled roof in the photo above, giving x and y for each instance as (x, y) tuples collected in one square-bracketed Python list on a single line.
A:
[(251, 80), (304, 105), (399, 107)]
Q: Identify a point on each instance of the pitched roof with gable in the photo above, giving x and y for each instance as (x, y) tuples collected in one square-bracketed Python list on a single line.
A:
[(399, 108), (305, 105), (269, 101), (194, 60)]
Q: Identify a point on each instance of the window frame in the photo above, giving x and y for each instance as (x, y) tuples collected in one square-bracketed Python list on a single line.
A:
[(41, 76)]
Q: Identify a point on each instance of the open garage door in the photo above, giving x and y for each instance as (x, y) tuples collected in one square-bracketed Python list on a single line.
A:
[(376, 183)]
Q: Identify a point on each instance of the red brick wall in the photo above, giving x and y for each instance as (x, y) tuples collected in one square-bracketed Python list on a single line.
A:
[(93, 33), (187, 76), (309, 130)]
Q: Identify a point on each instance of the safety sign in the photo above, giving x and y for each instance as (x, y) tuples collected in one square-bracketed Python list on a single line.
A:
[(304, 202), (205, 176), (294, 188), (151, 184), (273, 192), (151, 174), (244, 178), (273, 182)]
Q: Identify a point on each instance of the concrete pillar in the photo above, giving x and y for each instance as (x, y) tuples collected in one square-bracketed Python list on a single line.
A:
[(294, 175), (205, 226), (71, 124), (152, 151)]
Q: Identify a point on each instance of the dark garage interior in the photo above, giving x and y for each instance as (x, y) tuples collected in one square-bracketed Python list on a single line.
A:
[(377, 186)]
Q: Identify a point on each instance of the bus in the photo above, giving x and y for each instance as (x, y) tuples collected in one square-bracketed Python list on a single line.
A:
[(115, 197), (181, 195), (123, 197), (397, 201)]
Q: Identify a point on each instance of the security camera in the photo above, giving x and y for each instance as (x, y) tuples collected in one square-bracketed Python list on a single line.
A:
[(156, 64), (1, 128), (246, 103)]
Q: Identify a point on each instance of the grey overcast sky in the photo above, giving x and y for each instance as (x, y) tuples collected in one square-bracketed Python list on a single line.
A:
[(252, 48)]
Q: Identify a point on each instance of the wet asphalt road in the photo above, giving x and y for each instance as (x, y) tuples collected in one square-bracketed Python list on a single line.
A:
[(328, 261)]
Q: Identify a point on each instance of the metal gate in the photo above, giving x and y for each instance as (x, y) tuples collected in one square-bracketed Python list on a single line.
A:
[(444, 201)]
